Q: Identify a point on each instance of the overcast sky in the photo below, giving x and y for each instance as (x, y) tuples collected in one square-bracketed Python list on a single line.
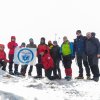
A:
[(36, 18)]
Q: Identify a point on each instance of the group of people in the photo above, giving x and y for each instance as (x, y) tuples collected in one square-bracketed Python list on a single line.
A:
[(86, 50)]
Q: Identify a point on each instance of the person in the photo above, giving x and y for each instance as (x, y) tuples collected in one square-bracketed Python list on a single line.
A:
[(41, 48), (3, 60), (50, 44), (55, 54), (23, 67), (93, 34), (31, 45), (93, 53), (66, 51), (11, 46), (47, 64), (79, 48)]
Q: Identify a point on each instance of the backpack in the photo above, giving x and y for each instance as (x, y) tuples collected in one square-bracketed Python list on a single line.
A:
[(72, 50)]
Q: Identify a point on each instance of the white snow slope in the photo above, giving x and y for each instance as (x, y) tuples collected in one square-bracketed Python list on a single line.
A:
[(28, 88)]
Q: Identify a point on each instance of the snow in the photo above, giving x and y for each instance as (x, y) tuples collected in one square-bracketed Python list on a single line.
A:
[(28, 88), (37, 18)]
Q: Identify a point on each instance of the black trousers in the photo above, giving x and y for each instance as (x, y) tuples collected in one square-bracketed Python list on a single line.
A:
[(39, 66), (67, 61), (11, 57), (48, 74), (30, 69), (24, 68), (39, 69), (83, 59), (56, 69), (93, 62), (3, 65)]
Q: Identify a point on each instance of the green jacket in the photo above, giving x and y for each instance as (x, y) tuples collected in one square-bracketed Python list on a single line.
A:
[(65, 49)]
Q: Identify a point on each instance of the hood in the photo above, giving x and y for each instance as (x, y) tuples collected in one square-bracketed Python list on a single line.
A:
[(42, 41), (13, 37)]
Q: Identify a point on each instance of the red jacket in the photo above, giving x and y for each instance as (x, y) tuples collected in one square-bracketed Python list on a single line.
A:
[(2, 55), (42, 48), (47, 61), (11, 46)]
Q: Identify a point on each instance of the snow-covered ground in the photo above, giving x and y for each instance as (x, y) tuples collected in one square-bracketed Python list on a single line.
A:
[(51, 19), (28, 88)]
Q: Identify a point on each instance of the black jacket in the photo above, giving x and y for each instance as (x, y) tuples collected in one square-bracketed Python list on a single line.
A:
[(55, 53), (92, 46)]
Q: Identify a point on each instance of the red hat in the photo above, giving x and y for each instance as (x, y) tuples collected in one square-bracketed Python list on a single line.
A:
[(13, 37)]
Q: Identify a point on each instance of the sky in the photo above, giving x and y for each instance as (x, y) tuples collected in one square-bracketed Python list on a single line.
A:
[(51, 19)]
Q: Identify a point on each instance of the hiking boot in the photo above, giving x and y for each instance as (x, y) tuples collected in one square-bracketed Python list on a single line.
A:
[(4, 69), (23, 74), (38, 76), (79, 77), (88, 78), (96, 79), (68, 78), (11, 73), (16, 73), (57, 77)]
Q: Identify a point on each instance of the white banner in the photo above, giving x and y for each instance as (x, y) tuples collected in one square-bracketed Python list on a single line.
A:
[(25, 56)]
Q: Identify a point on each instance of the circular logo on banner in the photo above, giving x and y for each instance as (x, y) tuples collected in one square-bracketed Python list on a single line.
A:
[(25, 55)]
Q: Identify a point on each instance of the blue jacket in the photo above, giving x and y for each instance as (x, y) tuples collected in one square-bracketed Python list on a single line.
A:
[(79, 45)]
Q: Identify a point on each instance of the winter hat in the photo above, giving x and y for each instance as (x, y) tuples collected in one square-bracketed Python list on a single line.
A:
[(13, 37), (54, 42), (31, 39), (23, 44)]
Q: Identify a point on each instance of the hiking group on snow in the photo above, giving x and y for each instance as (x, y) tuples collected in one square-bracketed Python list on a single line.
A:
[(85, 49)]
